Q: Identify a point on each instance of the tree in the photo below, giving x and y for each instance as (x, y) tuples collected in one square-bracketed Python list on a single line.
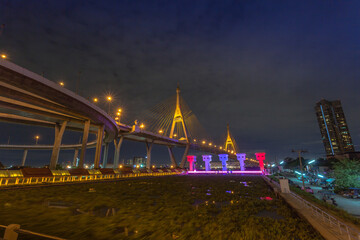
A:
[(1, 166), (347, 173)]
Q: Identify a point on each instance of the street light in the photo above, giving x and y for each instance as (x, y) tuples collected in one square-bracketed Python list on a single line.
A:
[(109, 99), (37, 137), (142, 126), (62, 83), (160, 131), (95, 100), (3, 56)]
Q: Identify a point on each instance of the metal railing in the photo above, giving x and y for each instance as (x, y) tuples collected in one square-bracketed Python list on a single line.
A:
[(19, 181), (12, 232), (337, 226)]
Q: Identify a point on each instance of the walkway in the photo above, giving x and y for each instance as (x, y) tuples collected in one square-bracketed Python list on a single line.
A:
[(352, 206), (327, 225)]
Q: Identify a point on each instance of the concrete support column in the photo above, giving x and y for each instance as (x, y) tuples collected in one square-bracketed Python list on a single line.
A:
[(223, 159), (84, 143), (207, 160), (148, 154), (117, 145), (182, 164), (261, 158), (24, 157), (172, 157), (105, 154), (192, 160), (59, 131), (76, 154), (241, 158), (99, 141)]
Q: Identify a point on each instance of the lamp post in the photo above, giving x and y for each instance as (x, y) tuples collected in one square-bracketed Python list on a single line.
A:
[(109, 99), (37, 137), (301, 166)]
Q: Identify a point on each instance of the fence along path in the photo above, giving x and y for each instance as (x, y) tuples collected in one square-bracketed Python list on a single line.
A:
[(326, 224)]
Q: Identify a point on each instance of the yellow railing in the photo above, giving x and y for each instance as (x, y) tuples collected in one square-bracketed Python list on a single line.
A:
[(17, 181)]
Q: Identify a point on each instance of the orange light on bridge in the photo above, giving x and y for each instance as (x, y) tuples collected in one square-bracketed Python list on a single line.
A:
[(214, 145), (62, 84), (119, 110), (220, 147), (210, 144), (3, 56), (171, 166), (175, 135), (142, 125), (161, 131), (109, 98), (153, 166), (118, 113), (120, 166), (203, 142), (194, 140), (95, 100)]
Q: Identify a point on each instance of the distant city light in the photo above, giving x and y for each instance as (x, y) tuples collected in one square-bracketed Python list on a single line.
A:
[(281, 162)]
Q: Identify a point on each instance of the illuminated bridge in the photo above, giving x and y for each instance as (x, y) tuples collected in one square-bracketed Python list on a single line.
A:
[(28, 98)]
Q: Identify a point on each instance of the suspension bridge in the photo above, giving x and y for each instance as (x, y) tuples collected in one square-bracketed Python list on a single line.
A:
[(28, 98)]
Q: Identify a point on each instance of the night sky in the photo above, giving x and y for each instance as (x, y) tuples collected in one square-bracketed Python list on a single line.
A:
[(258, 65)]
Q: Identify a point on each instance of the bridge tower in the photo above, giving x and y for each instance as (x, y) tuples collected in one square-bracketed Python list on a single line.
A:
[(179, 119), (229, 144)]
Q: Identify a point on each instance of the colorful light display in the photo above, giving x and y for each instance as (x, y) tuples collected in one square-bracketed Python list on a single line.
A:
[(207, 160), (261, 158), (223, 159), (191, 159), (241, 158)]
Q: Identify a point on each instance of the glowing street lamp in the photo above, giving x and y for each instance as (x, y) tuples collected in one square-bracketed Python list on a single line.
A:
[(194, 140), (220, 147), (175, 135), (203, 142), (142, 126), (3, 56), (95, 100), (37, 137), (160, 131), (62, 84), (109, 99)]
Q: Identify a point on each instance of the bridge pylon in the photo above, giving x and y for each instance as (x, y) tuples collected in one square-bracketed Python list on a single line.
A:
[(229, 143), (179, 119)]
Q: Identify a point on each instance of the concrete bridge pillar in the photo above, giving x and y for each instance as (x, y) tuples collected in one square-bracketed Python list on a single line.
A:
[(241, 158), (105, 154), (76, 154), (24, 157), (172, 157), (182, 164), (117, 145), (99, 141), (84, 143), (148, 154), (261, 158), (192, 160), (207, 160), (59, 131), (223, 159)]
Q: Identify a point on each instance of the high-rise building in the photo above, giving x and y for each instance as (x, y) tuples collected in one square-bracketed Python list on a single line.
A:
[(333, 127)]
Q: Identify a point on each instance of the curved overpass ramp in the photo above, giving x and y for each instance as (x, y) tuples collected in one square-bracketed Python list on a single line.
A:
[(28, 98)]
